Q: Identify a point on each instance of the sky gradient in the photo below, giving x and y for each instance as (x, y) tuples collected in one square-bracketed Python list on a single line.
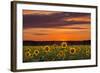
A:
[(56, 26)]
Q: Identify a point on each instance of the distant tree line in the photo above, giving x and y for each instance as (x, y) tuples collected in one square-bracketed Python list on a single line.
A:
[(37, 43)]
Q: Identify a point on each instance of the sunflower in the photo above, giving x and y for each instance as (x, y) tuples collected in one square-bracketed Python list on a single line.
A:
[(87, 52), (72, 51), (61, 54), (27, 50), (64, 44), (55, 46), (47, 49), (78, 49), (36, 52), (27, 55)]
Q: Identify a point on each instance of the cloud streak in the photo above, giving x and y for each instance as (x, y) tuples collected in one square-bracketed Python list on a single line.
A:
[(53, 19)]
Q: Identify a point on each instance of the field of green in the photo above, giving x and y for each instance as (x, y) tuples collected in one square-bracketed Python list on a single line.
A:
[(56, 52)]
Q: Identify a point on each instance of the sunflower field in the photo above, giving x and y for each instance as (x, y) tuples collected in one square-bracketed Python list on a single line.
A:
[(56, 52)]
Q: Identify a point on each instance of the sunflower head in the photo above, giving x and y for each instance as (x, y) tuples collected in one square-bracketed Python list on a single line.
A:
[(87, 51), (47, 49), (55, 46), (64, 44), (61, 54), (27, 50), (27, 55), (78, 49), (72, 51), (36, 52)]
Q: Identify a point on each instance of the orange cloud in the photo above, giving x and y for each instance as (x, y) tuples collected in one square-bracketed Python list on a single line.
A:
[(38, 12), (82, 18), (57, 34)]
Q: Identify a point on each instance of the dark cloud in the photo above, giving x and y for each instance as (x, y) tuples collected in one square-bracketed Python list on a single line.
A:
[(54, 20), (36, 33)]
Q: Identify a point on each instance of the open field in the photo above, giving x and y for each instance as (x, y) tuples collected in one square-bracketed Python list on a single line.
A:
[(56, 52)]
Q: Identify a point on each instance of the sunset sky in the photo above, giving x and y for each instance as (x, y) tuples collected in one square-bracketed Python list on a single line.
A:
[(56, 26)]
